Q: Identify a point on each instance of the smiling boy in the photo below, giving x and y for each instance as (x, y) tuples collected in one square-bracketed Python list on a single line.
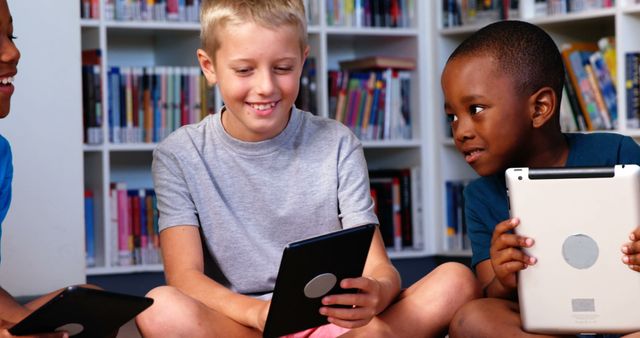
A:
[(260, 174), (502, 88)]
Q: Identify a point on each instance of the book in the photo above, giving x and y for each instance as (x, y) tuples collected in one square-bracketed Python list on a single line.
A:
[(632, 88), (574, 56), (378, 62), (89, 227)]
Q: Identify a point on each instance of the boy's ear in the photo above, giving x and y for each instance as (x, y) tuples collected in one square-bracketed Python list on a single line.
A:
[(542, 106), (207, 66)]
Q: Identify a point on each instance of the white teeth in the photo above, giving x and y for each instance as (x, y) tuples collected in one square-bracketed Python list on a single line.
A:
[(7, 80), (263, 106)]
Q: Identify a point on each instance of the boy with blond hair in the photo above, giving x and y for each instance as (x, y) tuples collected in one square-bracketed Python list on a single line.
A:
[(261, 173), (502, 89)]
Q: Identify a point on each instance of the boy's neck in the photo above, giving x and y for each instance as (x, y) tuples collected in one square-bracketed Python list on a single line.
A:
[(550, 150)]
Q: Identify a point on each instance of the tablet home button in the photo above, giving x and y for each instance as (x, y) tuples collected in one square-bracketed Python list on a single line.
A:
[(320, 285), (580, 251), (71, 328)]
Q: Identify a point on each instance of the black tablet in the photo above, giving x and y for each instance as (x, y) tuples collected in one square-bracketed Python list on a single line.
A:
[(83, 312), (311, 269)]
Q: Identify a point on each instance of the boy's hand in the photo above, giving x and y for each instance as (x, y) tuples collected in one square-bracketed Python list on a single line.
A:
[(361, 306), (506, 257), (631, 251)]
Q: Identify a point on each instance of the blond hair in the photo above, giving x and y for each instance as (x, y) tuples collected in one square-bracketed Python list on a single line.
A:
[(271, 14)]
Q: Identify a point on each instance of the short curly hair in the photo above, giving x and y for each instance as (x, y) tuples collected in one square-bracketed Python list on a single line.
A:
[(523, 51)]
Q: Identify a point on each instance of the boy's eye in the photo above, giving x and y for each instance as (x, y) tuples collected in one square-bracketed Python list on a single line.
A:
[(242, 71), (474, 109), (451, 118), (12, 37), (283, 69)]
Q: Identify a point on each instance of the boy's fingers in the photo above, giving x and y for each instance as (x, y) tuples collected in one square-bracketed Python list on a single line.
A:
[(631, 259), (514, 255), (631, 248), (510, 240), (635, 234), (505, 226), (349, 314)]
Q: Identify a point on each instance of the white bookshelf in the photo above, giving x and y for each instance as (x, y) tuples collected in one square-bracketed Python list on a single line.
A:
[(621, 21), (170, 43)]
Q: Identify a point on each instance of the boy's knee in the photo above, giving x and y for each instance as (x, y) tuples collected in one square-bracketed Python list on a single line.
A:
[(457, 279), (468, 319), (168, 307)]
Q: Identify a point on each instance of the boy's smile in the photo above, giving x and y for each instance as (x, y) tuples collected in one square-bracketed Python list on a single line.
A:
[(257, 70), (488, 115), (9, 56)]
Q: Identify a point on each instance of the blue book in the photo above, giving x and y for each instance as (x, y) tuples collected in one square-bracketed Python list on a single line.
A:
[(89, 234)]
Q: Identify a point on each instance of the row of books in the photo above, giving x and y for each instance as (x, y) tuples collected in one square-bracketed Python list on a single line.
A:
[(590, 99), (393, 196), (307, 99), (477, 12), (134, 226), (147, 103), (372, 97), (456, 231), (145, 10), (370, 13), (632, 87), (481, 12)]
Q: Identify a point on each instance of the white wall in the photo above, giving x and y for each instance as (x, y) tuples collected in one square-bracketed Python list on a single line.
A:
[(43, 234)]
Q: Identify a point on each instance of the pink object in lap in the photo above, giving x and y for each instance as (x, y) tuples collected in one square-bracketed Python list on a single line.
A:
[(324, 331)]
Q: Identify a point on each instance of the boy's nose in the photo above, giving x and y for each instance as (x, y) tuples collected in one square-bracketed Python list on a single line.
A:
[(265, 83), (9, 53), (463, 129)]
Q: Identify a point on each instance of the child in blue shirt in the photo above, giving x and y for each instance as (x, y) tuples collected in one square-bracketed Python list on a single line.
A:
[(11, 311), (502, 89)]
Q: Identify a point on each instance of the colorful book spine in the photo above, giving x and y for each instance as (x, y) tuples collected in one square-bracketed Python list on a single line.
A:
[(89, 227)]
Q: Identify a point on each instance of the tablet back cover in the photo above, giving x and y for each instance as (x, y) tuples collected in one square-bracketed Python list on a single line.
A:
[(579, 222), (342, 254)]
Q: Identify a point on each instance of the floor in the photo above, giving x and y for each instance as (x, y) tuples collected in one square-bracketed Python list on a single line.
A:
[(129, 330)]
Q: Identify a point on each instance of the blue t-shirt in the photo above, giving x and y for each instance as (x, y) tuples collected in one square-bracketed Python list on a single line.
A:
[(6, 175), (486, 197)]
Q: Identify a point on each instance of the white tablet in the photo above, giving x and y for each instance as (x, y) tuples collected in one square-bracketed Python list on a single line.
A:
[(579, 219), (311, 269)]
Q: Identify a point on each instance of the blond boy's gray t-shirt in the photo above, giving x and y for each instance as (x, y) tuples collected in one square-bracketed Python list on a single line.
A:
[(252, 198)]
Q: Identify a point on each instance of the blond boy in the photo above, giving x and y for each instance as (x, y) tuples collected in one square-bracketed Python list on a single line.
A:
[(261, 173)]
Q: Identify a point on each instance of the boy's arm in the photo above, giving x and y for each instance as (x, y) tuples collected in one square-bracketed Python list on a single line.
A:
[(379, 268), (10, 310), (184, 268)]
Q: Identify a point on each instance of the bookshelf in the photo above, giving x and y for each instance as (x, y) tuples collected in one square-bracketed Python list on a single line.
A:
[(622, 21), (147, 43)]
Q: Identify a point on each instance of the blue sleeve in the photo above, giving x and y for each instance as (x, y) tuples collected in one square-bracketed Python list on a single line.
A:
[(478, 231), (6, 176), (629, 151)]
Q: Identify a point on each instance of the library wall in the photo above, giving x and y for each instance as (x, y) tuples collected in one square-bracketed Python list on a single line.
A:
[(43, 234)]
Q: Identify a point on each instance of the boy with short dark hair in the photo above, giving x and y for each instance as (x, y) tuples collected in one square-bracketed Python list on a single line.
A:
[(261, 173), (502, 89)]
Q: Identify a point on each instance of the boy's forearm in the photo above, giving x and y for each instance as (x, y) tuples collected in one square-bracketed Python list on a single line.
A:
[(242, 309), (10, 310), (389, 279)]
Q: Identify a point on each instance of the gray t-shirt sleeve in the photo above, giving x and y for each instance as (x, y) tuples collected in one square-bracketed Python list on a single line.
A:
[(354, 197), (174, 200)]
